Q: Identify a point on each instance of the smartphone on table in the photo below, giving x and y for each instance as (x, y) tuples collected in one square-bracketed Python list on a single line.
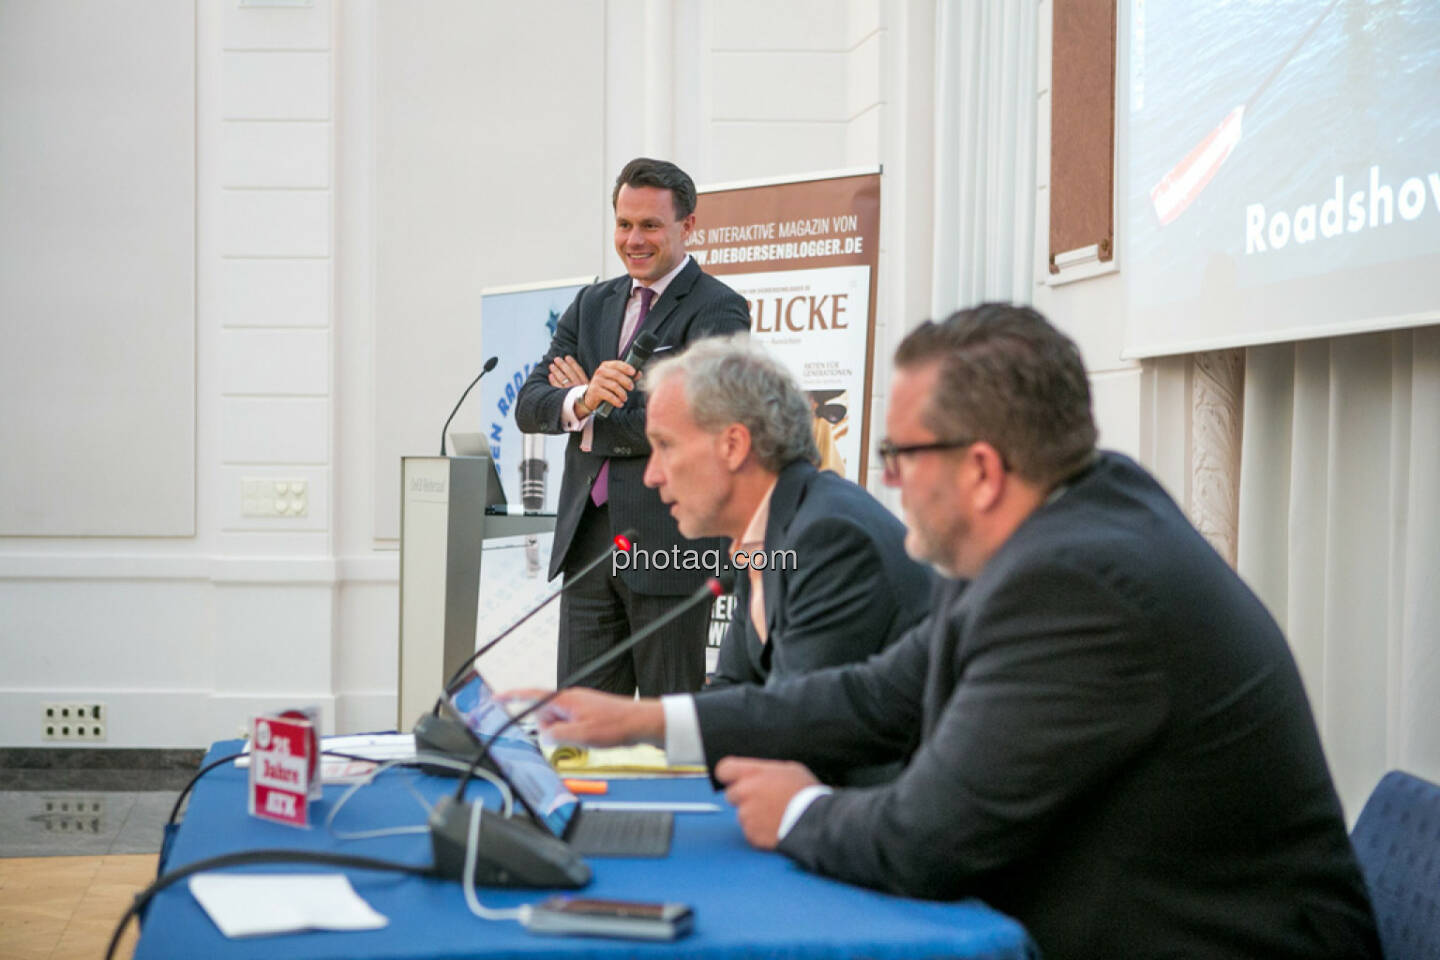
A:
[(625, 919)]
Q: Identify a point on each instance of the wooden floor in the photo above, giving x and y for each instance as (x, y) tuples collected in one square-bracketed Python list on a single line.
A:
[(59, 908)]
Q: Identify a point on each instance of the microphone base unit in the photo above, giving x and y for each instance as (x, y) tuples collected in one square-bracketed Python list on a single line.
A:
[(446, 736), (512, 853)]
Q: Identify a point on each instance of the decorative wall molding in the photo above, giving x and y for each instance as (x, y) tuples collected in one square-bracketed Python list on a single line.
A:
[(382, 568), (1217, 396)]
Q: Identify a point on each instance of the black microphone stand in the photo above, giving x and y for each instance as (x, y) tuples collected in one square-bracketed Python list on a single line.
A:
[(489, 365), (512, 844), (444, 732), (714, 588)]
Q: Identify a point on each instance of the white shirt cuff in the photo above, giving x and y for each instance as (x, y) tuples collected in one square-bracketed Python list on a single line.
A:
[(682, 730), (797, 806), (568, 420)]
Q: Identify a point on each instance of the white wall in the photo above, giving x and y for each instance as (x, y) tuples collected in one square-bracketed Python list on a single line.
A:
[(486, 174), (1091, 311), (362, 170), (857, 83), (97, 269), (183, 637)]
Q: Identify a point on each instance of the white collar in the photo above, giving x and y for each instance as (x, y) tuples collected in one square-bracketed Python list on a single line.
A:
[(659, 285)]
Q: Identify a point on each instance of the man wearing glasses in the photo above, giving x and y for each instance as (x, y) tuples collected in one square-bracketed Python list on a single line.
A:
[(1114, 744)]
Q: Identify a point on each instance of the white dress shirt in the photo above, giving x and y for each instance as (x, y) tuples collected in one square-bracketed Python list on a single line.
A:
[(753, 541), (683, 746), (682, 724)]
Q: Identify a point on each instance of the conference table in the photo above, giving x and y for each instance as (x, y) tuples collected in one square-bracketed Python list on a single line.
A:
[(747, 902)]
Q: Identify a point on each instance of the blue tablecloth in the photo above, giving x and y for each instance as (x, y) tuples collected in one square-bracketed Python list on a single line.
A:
[(747, 903)]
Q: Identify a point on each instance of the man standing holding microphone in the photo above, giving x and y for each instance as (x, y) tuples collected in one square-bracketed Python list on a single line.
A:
[(663, 293)]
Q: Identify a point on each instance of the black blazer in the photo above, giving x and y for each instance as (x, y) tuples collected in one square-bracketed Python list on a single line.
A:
[(850, 589), (1116, 748), (694, 305)]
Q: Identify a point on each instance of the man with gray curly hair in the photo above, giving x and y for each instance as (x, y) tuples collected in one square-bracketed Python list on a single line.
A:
[(736, 380), (824, 577)]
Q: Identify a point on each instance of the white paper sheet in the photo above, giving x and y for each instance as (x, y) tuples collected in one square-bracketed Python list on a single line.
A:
[(254, 904), (379, 747)]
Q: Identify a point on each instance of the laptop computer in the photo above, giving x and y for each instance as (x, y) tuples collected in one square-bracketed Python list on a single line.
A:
[(517, 759)]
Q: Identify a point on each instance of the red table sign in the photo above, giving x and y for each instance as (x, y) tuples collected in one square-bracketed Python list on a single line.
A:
[(283, 756)]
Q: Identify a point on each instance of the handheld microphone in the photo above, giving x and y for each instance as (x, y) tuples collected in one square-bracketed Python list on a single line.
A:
[(639, 354), (442, 733), (489, 365), (712, 589)]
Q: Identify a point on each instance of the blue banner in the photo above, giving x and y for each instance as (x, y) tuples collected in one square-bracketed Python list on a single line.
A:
[(516, 325)]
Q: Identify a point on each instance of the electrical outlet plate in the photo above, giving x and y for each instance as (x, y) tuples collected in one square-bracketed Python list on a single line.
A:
[(268, 497), (74, 721), (69, 813)]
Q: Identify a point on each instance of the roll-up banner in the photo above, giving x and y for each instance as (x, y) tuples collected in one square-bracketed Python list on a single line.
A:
[(803, 252), (516, 325)]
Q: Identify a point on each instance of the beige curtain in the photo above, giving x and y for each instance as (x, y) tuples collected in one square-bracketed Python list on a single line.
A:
[(1339, 533), (984, 153)]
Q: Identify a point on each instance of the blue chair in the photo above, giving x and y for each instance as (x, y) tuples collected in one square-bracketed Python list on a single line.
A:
[(1397, 840)]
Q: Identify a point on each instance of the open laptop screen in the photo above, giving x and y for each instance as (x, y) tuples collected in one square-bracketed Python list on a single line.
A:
[(516, 754)]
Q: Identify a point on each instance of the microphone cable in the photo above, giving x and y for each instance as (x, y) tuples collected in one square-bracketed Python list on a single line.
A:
[(258, 856), (713, 588), (248, 857), (507, 798), (489, 365), (625, 541)]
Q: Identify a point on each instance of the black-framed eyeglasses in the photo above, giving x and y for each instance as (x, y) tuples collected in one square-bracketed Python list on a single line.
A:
[(890, 452)]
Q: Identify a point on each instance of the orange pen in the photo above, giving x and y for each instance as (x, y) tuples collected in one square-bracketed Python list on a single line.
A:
[(586, 786)]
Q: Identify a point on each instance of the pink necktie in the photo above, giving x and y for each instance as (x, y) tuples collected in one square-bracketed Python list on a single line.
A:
[(600, 491)]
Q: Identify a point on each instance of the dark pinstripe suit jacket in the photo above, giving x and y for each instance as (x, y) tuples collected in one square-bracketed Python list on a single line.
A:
[(694, 305)]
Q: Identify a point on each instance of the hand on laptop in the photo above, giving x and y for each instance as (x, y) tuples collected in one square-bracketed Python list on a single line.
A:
[(593, 719)]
